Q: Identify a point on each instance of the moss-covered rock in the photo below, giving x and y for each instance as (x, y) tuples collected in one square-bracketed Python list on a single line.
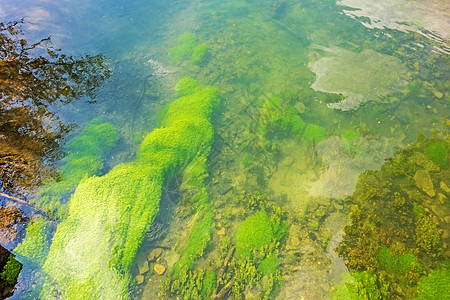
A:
[(93, 249), (254, 233)]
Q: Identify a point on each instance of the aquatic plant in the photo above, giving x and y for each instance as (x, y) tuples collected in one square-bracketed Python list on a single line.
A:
[(269, 265), (198, 240), (397, 263), (314, 133), (11, 270), (277, 118), (209, 284), (35, 245), (254, 233), (199, 53), (427, 234), (84, 158), (435, 285), (188, 48), (93, 249), (438, 153), (397, 256), (186, 44), (185, 86)]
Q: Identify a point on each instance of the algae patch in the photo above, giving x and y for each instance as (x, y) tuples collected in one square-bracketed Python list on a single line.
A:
[(93, 249), (360, 77)]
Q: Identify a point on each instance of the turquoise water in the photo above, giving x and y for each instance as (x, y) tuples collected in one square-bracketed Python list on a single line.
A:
[(331, 114)]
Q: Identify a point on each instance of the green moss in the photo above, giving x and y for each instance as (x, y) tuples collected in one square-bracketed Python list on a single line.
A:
[(84, 158), (314, 133), (209, 284), (35, 245), (94, 248), (365, 288), (435, 285), (199, 53), (350, 134), (254, 233), (185, 48), (438, 153), (199, 238), (186, 86), (11, 270), (397, 263), (269, 265)]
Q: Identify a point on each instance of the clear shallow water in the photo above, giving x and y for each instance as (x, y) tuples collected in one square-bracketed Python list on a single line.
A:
[(370, 89)]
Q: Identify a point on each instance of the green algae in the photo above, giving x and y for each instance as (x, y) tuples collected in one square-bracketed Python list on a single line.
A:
[(254, 233), (11, 270), (277, 117), (314, 133), (435, 285), (188, 48), (269, 265), (199, 52), (397, 257), (397, 263), (93, 249), (84, 158), (438, 153), (35, 245)]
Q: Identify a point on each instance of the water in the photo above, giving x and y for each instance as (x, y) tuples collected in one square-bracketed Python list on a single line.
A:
[(315, 97)]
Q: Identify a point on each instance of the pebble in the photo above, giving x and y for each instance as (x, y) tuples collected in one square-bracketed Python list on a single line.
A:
[(144, 268), (139, 279), (441, 198), (154, 254), (438, 94), (159, 269), (423, 181)]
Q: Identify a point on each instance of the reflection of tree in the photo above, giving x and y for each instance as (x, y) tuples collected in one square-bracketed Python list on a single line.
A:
[(32, 76)]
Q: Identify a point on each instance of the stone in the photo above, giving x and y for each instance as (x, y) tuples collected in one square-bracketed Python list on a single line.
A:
[(438, 94), (444, 187), (221, 231), (139, 279), (144, 268), (159, 269), (438, 211), (154, 254), (441, 198), (423, 182)]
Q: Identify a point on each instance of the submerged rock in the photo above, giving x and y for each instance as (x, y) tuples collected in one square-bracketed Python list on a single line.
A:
[(159, 269), (423, 182), (144, 268), (139, 279), (154, 254)]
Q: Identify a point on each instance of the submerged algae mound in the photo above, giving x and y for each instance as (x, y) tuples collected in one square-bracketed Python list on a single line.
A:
[(84, 158), (94, 247)]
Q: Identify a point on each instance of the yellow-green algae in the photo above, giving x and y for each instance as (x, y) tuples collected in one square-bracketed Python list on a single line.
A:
[(94, 248), (84, 158)]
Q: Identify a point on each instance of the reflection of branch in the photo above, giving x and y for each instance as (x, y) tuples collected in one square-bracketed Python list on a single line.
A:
[(14, 198)]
